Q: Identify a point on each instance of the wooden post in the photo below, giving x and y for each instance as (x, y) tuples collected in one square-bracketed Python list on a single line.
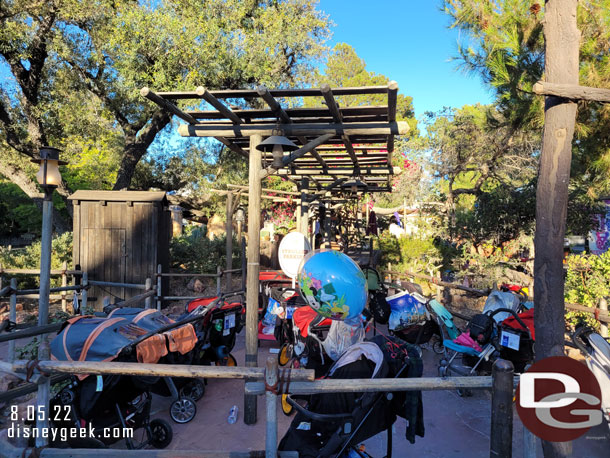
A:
[(64, 282), (501, 437), (42, 396), (12, 317), (218, 280), (244, 262), (562, 40), (148, 300), (304, 213), (254, 221), (85, 284), (603, 326), (159, 288), (271, 378), (229, 231)]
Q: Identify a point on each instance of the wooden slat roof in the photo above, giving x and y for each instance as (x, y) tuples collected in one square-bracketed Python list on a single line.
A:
[(119, 196), (359, 139)]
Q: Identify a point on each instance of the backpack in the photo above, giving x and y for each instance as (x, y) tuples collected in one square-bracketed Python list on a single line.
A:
[(481, 328), (379, 307)]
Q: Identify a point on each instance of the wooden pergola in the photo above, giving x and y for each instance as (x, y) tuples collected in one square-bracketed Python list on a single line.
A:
[(341, 150)]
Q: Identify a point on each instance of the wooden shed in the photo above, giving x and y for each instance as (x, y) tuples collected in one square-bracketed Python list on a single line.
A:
[(120, 236)]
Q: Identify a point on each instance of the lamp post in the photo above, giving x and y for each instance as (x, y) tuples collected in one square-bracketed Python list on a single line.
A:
[(49, 178)]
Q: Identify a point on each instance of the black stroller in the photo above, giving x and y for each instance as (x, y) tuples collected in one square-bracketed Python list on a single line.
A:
[(110, 403), (333, 424)]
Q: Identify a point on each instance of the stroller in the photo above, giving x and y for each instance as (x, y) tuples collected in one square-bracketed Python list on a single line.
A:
[(333, 424), (596, 350), (105, 401), (217, 331), (497, 332)]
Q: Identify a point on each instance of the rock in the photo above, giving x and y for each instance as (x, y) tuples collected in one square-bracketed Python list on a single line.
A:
[(8, 381), (196, 285)]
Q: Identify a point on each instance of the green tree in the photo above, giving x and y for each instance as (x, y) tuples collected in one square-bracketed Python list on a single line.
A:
[(503, 43), (78, 65)]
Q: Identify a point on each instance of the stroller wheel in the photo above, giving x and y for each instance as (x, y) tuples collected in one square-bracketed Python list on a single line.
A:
[(287, 409), (228, 361), (183, 410), (464, 392), (194, 389), (160, 433), (438, 347), (66, 396), (285, 354)]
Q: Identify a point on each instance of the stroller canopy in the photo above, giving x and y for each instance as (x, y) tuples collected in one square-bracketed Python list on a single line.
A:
[(89, 338)]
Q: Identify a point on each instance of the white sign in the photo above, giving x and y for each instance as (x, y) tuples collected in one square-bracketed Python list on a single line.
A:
[(509, 340), (293, 248)]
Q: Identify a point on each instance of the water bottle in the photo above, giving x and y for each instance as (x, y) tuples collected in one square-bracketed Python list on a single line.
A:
[(232, 415)]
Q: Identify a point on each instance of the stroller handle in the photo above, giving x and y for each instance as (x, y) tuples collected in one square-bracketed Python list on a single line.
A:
[(325, 417), (190, 319), (514, 314), (577, 338)]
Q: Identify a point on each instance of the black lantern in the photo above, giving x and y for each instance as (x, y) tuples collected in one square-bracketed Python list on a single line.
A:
[(277, 144), (354, 185)]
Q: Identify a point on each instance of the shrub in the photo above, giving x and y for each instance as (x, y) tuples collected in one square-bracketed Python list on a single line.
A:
[(587, 280), (29, 258), (409, 253), (196, 253)]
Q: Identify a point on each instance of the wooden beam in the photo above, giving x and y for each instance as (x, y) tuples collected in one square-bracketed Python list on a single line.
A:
[(300, 112), (294, 130), (167, 105), (288, 193), (336, 171), (335, 183), (276, 108), (392, 99), (252, 288), (280, 113), (561, 65), (155, 370), (297, 154), (221, 107), (232, 146), (572, 91), (334, 110), (251, 93)]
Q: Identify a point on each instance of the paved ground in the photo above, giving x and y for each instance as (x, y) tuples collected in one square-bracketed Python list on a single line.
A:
[(455, 426)]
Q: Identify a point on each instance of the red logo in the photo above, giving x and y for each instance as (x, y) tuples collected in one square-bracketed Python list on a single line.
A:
[(559, 399)]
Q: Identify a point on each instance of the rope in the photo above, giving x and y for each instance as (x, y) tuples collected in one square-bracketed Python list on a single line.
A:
[(29, 368)]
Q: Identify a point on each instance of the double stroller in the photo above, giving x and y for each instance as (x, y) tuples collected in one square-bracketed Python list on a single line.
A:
[(596, 350), (502, 330), (334, 424), (108, 401)]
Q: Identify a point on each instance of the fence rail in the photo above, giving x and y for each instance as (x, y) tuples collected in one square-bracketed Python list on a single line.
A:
[(501, 384)]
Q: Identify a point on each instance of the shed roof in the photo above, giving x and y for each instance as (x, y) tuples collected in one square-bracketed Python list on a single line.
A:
[(119, 196), (336, 143)]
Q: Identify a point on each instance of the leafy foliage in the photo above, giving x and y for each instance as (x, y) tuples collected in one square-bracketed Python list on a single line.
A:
[(196, 253), (410, 253), (19, 214), (29, 258), (587, 280)]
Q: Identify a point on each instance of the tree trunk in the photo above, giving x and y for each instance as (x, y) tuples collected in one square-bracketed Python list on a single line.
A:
[(562, 39), (136, 145)]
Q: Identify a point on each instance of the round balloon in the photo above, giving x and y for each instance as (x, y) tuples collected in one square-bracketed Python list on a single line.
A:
[(332, 284)]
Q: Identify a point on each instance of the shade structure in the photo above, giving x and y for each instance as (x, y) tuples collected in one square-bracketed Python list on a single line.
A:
[(332, 143)]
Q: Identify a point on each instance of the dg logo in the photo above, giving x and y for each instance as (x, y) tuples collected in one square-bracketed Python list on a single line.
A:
[(559, 399)]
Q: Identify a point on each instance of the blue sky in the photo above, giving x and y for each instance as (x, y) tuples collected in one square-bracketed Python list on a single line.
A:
[(409, 42)]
